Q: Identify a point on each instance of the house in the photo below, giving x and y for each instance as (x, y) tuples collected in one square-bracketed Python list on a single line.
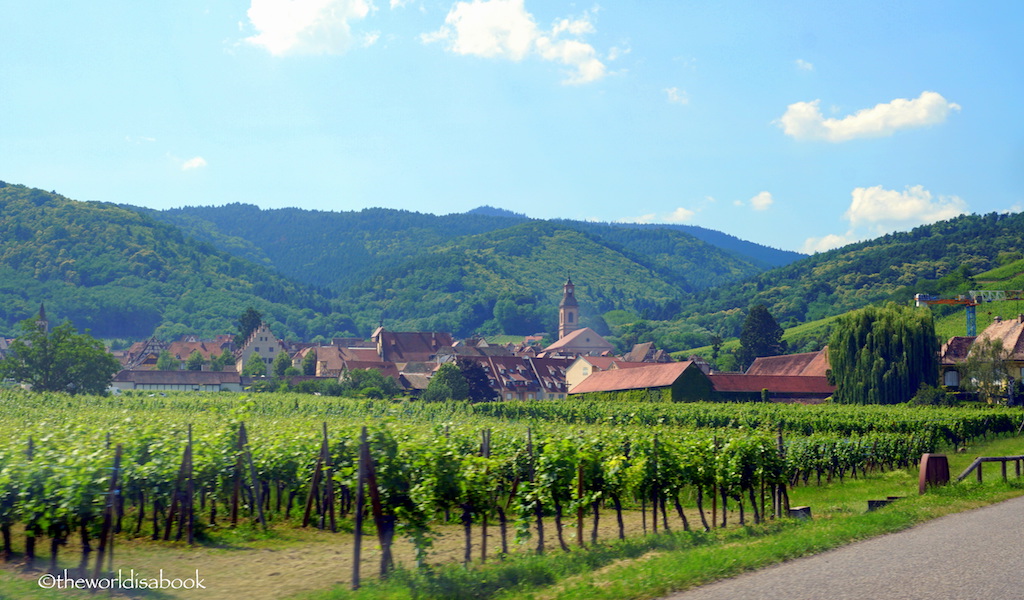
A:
[(523, 377), (583, 341), (646, 353), (799, 377), (952, 355), (678, 381), (178, 381), (743, 387), (403, 347), (583, 366), (1009, 332), (810, 364), (261, 344), (551, 376), (144, 354), (181, 350)]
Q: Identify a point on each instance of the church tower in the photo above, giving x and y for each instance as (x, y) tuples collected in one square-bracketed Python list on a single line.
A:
[(41, 323), (568, 310)]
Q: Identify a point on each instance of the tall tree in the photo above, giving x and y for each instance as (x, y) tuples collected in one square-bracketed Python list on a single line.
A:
[(882, 355), (165, 361), (480, 389), (248, 322), (59, 360), (195, 361), (760, 336), (281, 363), (447, 383), (255, 366), (309, 363), (987, 369)]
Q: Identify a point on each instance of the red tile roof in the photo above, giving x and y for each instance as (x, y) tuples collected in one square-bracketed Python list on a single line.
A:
[(955, 350), (648, 376), (807, 363), (585, 338), (776, 384)]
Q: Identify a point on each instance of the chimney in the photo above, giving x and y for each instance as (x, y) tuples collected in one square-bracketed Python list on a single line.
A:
[(1020, 318)]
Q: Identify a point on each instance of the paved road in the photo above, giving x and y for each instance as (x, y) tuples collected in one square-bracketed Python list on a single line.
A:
[(976, 555)]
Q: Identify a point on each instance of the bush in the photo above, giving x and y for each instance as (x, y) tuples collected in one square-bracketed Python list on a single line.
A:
[(929, 395)]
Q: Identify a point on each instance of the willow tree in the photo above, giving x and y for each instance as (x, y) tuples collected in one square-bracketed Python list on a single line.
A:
[(882, 355)]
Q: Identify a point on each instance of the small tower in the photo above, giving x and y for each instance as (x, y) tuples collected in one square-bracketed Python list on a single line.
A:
[(41, 323), (568, 310)]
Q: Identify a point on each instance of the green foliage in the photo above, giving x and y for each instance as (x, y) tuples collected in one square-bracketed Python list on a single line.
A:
[(370, 383), (122, 274), (255, 366), (248, 322), (882, 355), (447, 383), (987, 370), (930, 395), (309, 363), (59, 360), (219, 362), (195, 361), (165, 361), (760, 336), (936, 258), (282, 362), (479, 387)]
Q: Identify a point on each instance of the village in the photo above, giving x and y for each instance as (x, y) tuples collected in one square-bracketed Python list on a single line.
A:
[(579, 362)]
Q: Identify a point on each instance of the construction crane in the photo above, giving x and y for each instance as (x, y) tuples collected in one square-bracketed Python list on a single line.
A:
[(970, 301)]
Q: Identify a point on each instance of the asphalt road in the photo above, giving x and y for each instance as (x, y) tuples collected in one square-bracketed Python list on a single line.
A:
[(975, 555)]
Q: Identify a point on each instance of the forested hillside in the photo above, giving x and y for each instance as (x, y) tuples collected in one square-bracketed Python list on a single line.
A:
[(486, 271), (124, 275), (337, 250), (937, 258)]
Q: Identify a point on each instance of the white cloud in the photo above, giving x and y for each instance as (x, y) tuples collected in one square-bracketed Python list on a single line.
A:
[(803, 65), (887, 209), (813, 245), (369, 39), (875, 211), (197, 162), (804, 121), (762, 201), (677, 96), (617, 52), (305, 26), (680, 215), (504, 29)]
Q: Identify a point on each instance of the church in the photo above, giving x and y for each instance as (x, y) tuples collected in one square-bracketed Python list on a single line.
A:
[(574, 340)]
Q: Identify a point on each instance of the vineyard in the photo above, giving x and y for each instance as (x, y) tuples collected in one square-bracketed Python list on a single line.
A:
[(512, 475)]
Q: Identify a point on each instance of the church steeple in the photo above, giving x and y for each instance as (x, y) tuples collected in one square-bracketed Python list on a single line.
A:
[(41, 321), (568, 310)]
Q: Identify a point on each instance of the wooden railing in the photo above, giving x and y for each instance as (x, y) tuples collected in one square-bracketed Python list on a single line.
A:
[(976, 465)]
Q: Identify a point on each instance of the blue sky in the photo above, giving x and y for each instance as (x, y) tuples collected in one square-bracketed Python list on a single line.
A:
[(800, 125)]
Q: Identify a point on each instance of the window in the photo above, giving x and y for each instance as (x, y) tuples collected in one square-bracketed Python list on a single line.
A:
[(951, 379), (568, 317)]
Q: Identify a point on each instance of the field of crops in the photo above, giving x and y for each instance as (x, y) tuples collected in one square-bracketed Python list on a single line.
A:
[(169, 467)]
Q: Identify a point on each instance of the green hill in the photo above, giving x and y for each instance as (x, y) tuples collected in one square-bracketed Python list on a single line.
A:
[(451, 272), (124, 275), (937, 258)]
